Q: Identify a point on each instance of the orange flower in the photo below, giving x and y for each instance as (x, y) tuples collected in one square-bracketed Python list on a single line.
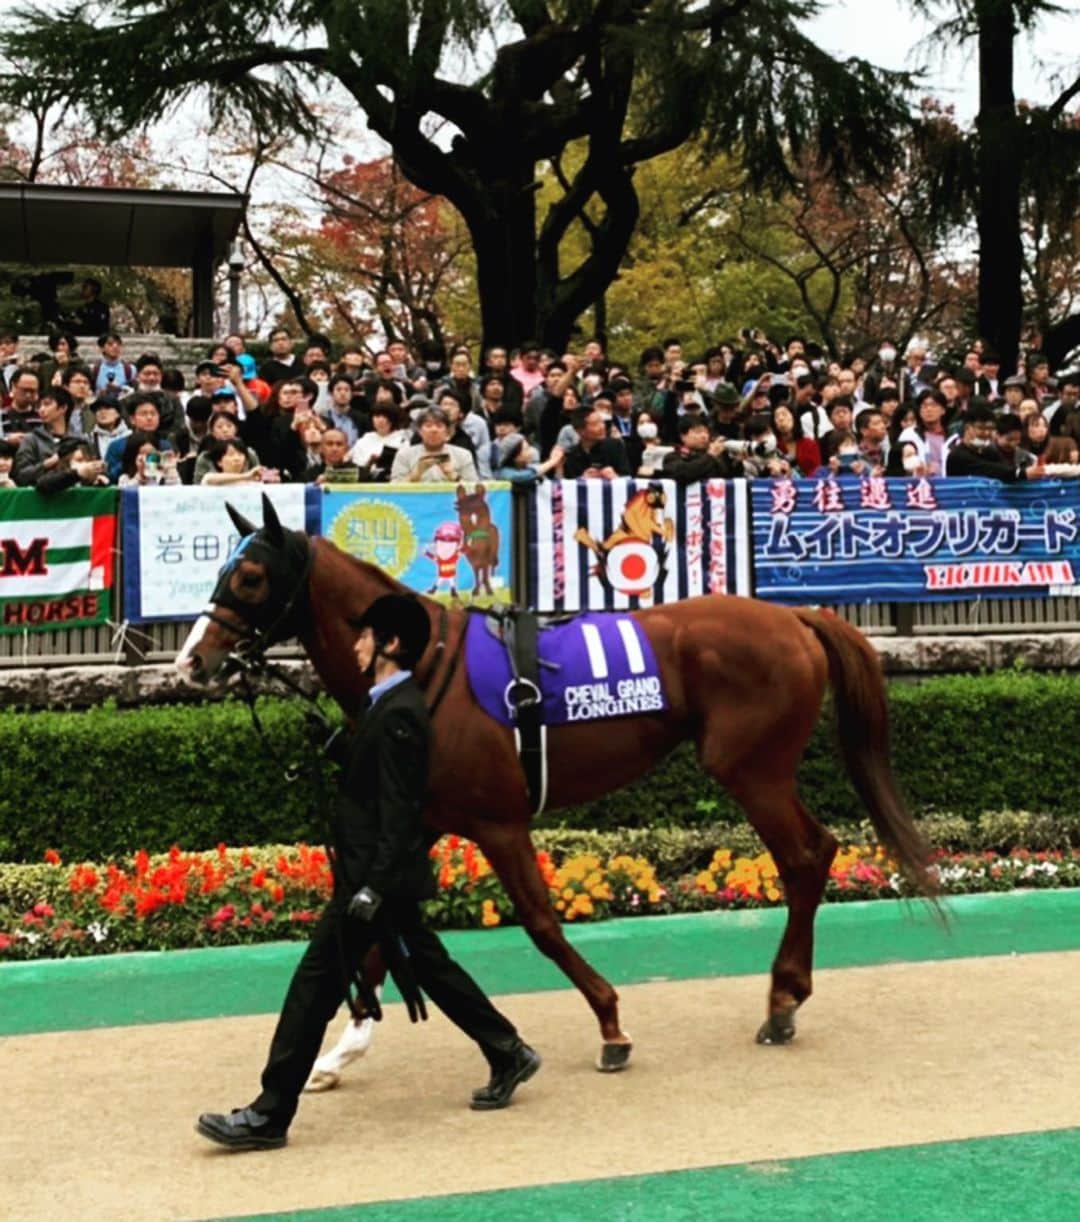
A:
[(52, 857)]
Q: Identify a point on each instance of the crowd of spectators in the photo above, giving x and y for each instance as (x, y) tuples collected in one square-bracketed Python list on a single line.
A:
[(748, 408)]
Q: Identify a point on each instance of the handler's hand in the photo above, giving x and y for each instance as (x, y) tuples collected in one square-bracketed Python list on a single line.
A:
[(364, 904)]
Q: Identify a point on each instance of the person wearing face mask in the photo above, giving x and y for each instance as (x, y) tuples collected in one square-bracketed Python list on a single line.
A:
[(885, 366), (846, 459), (975, 453), (644, 450), (760, 457), (905, 458)]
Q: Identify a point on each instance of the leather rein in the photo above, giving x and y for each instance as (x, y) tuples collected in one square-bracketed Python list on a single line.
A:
[(252, 663)]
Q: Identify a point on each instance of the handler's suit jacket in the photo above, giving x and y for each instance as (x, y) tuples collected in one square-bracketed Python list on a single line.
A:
[(377, 821)]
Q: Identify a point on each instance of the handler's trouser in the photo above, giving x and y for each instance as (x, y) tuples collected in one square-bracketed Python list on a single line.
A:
[(318, 987)]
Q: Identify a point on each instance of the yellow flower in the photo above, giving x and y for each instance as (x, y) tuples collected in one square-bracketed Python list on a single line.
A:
[(568, 893)]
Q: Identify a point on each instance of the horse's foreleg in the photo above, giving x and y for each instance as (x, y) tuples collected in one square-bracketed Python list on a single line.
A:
[(803, 851), (513, 857)]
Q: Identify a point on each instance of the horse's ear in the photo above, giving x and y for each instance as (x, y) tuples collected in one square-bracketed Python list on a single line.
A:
[(271, 522), (461, 493), (240, 522)]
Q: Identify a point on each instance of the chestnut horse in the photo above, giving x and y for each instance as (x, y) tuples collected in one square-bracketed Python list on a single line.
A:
[(744, 682)]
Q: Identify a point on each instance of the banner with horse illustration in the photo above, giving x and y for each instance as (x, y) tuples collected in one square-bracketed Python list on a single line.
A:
[(603, 545), (851, 540), (452, 541), (56, 558)]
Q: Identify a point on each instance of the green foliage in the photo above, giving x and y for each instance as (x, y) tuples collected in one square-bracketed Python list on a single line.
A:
[(632, 81), (101, 783), (104, 781)]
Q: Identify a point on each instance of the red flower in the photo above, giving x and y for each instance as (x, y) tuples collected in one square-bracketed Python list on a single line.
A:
[(277, 891), (225, 913), (150, 901), (44, 910), (52, 857), (5, 941)]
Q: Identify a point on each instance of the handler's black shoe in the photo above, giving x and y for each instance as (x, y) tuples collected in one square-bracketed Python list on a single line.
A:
[(526, 1061), (243, 1129)]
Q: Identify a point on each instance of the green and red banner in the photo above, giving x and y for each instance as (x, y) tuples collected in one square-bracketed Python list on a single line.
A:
[(56, 558)]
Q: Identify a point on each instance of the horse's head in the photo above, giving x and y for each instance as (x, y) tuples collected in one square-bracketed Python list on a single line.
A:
[(473, 510), (255, 603), (644, 512)]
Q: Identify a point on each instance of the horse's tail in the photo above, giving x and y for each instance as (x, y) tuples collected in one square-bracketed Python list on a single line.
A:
[(862, 715)]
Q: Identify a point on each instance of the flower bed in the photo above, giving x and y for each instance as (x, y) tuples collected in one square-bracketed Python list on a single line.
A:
[(235, 896)]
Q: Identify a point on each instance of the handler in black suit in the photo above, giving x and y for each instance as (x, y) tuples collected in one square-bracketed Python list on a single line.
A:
[(381, 872)]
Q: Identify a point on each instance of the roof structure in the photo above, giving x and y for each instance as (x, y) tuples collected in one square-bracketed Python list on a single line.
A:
[(43, 224), (118, 227)]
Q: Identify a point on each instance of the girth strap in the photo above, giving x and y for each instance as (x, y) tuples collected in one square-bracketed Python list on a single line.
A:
[(520, 633)]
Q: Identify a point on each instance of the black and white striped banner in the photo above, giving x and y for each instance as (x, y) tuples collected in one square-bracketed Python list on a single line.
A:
[(603, 545)]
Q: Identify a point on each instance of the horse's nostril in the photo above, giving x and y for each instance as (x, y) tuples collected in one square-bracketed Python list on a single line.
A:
[(195, 663)]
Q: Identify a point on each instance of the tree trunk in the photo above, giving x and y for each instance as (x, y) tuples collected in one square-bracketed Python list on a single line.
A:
[(1000, 303), (600, 320), (504, 240)]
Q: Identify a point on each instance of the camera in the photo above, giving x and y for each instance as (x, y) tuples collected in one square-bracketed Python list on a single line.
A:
[(750, 449)]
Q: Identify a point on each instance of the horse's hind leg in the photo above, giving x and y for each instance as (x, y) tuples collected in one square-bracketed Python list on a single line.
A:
[(355, 1038), (513, 857), (803, 851)]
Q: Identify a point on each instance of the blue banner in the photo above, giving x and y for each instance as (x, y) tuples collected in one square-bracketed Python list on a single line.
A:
[(851, 540), (447, 540)]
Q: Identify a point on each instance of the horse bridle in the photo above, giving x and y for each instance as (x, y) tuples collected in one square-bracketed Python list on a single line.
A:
[(258, 640), (251, 662)]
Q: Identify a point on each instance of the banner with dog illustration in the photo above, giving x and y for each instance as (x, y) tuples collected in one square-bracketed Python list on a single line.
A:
[(452, 541), (604, 545)]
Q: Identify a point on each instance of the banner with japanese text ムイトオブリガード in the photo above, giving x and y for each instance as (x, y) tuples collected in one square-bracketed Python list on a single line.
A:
[(452, 541), (850, 539), (605, 545), (56, 558), (177, 538)]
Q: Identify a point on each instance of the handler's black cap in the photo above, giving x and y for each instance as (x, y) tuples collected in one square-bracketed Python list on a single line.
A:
[(400, 615)]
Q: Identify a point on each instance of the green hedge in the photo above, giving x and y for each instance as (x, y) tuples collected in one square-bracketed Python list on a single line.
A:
[(102, 782)]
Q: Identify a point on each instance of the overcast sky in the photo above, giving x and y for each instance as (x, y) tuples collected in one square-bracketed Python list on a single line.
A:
[(886, 33)]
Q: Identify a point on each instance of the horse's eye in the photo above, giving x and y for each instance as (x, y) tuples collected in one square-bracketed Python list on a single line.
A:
[(250, 580)]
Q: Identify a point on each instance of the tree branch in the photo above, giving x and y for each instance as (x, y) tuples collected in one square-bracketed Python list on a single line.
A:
[(1057, 106)]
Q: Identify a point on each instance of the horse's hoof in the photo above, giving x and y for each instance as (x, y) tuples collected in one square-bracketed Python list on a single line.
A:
[(322, 1080), (778, 1028), (614, 1057)]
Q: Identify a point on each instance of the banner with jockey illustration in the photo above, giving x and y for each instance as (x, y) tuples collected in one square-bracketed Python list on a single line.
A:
[(601, 545), (452, 541), (851, 540), (56, 558), (177, 538)]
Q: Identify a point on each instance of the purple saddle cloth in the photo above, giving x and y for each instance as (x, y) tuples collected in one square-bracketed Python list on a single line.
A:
[(597, 665)]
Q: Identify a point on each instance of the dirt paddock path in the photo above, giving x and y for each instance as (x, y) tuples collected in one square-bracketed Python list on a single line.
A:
[(98, 1123)]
